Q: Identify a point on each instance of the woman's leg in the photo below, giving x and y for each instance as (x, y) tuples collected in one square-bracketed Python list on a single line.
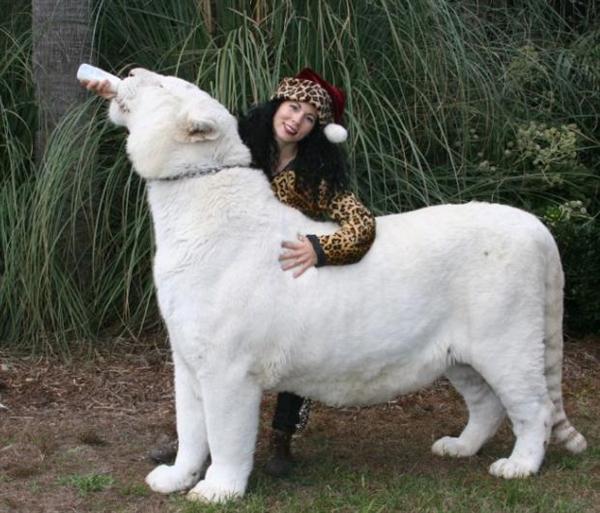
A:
[(287, 412), (291, 413)]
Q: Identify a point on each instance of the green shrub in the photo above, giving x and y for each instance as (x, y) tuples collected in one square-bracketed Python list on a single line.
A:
[(446, 102), (578, 238)]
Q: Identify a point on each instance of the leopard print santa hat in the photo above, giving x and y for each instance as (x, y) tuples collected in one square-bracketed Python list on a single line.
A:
[(308, 86)]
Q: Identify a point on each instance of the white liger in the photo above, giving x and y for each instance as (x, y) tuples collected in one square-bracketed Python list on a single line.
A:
[(473, 292)]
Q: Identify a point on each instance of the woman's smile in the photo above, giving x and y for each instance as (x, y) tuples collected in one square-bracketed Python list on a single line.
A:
[(290, 129)]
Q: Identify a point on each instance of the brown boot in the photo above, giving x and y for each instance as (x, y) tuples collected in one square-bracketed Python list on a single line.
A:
[(280, 463)]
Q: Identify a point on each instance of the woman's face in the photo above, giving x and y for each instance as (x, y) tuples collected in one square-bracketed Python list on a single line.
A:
[(293, 121)]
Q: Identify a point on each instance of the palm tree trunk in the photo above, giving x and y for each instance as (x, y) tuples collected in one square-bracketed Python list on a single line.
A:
[(62, 40)]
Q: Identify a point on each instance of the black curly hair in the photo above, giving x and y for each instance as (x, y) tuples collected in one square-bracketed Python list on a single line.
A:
[(317, 160)]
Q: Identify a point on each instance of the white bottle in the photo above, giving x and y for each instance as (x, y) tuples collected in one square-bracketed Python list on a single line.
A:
[(89, 72)]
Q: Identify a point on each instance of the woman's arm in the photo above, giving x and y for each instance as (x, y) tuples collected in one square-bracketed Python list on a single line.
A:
[(355, 236), (301, 254), (345, 246), (100, 87)]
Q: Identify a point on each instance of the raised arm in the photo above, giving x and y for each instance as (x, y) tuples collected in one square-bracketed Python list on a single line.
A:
[(100, 87)]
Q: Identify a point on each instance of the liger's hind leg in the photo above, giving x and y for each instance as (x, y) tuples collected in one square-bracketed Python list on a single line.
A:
[(485, 413), (521, 386)]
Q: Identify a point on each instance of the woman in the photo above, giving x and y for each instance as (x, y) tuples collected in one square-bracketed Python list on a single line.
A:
[(292, 139)]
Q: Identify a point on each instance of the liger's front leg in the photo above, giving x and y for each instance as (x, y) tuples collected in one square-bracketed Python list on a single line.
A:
[(191, 431), (232, 410)]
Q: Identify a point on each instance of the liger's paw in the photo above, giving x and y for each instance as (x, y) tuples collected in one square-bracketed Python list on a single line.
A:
[(169, 479), (207, 493), (510, 469), (450, 446)]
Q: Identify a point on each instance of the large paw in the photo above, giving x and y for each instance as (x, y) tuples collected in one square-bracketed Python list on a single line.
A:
[(207, 492), (450, 446), (169, 479), (510, 469)]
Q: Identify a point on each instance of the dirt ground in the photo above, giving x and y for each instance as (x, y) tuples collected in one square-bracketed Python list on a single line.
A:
[(60, 422)]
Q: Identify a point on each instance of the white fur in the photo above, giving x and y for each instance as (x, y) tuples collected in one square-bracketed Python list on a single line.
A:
[(471, 291)]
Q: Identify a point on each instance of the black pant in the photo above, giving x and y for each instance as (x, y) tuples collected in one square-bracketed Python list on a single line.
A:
[(287, 412)]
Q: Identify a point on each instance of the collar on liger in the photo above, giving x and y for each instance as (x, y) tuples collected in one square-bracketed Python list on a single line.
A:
[(192, 173)]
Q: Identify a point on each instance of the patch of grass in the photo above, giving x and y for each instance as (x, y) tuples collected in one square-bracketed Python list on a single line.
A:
[(337, 486), (135, 490), (88, 483)]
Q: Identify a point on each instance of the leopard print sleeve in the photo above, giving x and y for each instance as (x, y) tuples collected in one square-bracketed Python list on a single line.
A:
[(355, 236)]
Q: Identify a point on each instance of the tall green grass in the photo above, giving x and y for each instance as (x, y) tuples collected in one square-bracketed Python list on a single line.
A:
[(436, 94)]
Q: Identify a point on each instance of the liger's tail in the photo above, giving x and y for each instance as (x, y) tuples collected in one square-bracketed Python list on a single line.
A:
[(562, 430)]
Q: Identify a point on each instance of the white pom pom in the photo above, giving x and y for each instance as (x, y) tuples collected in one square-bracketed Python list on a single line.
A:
[(335, 133)]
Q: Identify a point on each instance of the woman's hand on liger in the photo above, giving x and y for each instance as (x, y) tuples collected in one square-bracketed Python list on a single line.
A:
[(299, 255), (100, 87)]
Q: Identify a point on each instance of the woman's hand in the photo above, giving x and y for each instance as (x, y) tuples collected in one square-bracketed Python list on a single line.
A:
[(300, 254), (100, 87)]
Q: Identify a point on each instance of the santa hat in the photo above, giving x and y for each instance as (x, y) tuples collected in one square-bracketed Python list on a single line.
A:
[(329, 100)]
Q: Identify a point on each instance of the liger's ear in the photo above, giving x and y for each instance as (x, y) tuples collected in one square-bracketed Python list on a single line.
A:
[(202, 130), (197, 127)]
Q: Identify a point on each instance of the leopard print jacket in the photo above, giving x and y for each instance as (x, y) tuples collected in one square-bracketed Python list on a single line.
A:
[(357, 224)]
